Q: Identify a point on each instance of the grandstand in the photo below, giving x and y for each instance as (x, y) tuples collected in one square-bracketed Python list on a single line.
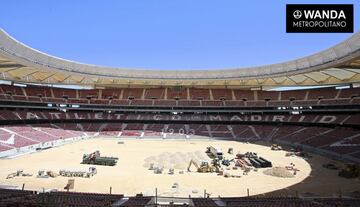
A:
[(218, 106)]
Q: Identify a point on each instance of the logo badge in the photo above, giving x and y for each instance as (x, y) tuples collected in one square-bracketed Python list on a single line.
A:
[(297, 14), (319, 18)]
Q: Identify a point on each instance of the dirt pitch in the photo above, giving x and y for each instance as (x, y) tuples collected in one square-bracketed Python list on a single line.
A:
[(131, 175)]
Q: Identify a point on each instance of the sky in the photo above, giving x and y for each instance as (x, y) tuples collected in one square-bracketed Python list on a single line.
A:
[(164, 34)]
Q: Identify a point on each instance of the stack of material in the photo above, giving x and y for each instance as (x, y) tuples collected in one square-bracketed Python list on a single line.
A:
[(175, 160), (281, 172)]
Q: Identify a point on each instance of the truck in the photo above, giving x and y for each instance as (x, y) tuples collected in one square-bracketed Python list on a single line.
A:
[(214, 152), (95, 159)]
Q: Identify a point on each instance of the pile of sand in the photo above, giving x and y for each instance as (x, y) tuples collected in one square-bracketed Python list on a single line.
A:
[(176, 160), (281, 172)]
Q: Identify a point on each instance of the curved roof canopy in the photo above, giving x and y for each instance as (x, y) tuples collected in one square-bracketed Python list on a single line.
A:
[(336, 65)]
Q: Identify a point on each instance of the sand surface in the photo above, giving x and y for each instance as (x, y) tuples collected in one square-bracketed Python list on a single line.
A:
[(131, 175)]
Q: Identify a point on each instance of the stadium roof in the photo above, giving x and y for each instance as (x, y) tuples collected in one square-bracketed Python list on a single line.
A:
[(339, 64)]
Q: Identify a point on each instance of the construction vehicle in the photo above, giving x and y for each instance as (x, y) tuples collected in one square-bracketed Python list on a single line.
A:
[(42, 174), (276, 147), (151, 167), (213, 152), (158, 170), (52, 174), (18, 173), (204, 167), (227, 162), (251, 155), (46, 174), (216, 162), (95, 159), (79, 173), (297, 153), (350, 171), (289, 154)]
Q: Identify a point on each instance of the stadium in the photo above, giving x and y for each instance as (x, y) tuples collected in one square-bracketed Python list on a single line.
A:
[(179, 138)]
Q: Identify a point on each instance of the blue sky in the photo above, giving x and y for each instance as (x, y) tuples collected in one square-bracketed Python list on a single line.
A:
[(164, 34)]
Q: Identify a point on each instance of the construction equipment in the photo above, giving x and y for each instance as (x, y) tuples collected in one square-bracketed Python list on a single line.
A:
[(264, 162), (227, 162), (276, 147), (18, 173), (350, 171), (216, 162), (70, 184), (79, 173), (42, 174), (257, 162), (95, 159), (204, 167), (158, 170), (46, 174), (52, 174), (246, 170), (292, 168), (289, 154), (213, 152), (151, 167), (297, 152), (251, 155), (242, 161), (239, 155)]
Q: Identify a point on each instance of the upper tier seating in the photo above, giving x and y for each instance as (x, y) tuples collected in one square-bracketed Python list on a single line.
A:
[(267, 95), (199, 94), (12, 90), (234, 103), (155, 93), (244, 95), (135, 93), (293, 95), (349, 93), (87, 94), (188, 103), (164, 103), (219, 94), (38, 91), (177, 93), (62, 92), (179, 96), (110, 93), (322, 93)]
